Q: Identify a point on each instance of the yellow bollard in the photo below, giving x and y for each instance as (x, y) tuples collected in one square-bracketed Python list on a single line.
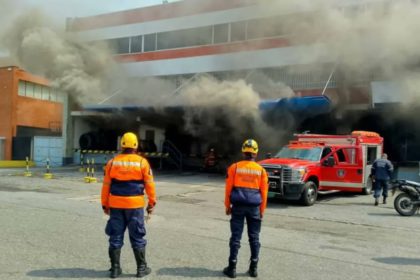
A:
[(27, 173), (82, 167), (87, 178), (92, 178), (48, 174)]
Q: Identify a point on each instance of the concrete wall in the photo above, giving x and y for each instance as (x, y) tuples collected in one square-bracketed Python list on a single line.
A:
[(408, 173)]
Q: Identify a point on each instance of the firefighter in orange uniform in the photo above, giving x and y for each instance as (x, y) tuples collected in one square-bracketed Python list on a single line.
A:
[(245, 199), (127, 177)]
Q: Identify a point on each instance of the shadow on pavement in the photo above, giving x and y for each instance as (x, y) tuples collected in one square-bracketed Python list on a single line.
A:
[(192, 272), (69, 273), (392, 214), (325, 197), (398, 261)]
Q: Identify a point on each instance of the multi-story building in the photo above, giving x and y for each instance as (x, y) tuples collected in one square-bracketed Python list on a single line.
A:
[(218, 37), (29, 107), (235, 38)]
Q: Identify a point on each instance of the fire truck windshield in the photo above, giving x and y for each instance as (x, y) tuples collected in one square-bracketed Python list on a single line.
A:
[(311, 154)]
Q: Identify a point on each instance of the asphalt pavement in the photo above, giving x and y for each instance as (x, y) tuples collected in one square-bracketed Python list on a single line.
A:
[(54, 229)]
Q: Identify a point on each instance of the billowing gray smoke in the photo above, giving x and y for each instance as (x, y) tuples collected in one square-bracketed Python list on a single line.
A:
[(370, 40), (375, 41), (213, 110), (223, 110), (79, 69)]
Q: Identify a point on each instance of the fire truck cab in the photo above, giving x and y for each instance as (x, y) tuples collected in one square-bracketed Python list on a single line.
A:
[(316, 162)]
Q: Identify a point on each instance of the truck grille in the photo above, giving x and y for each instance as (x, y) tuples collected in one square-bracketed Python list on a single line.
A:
[(277, 174), (287, 174), (284, 173)]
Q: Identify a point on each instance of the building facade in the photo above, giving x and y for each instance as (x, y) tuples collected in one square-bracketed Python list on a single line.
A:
[(29, 107), (242, 39), (237, 38)]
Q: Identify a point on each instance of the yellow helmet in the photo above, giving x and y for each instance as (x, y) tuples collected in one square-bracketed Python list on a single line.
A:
[(250, 146), (129, 140)]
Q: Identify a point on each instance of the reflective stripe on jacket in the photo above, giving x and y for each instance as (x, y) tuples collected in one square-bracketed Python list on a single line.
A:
[(127, 177), (246, 184)]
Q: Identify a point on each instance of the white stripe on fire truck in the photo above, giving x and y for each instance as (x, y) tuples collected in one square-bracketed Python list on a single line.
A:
[(341, 184)]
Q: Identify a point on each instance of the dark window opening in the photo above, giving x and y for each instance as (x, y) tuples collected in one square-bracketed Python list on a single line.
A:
[(371, 154), (136, 43)]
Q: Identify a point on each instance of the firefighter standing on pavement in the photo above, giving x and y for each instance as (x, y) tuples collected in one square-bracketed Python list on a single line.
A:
[(127, 177), (381, 173), (245, 199)]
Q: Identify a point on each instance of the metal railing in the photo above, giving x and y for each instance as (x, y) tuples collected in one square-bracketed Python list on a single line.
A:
[(174, 153)]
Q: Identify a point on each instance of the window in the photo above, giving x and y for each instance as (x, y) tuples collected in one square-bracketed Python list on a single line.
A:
[(22, 88), (238, 31), (45, 93), (346, 155), (38, 91), (371, 154), (149, 42), (120, 45), (185, 38), (326, 151), (29, 89), (136, 44), (312, 154), (340, 155), (221, 33)]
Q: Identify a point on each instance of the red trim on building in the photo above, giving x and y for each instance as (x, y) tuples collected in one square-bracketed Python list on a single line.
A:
[(205, 50), (159, 12)]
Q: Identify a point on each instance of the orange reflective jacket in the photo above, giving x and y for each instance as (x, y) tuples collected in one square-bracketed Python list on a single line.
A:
[(127, 177), (246, 184)]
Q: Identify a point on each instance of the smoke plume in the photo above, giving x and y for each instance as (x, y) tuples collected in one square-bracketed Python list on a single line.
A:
[(370, 40), (375, 40), (79, 69)]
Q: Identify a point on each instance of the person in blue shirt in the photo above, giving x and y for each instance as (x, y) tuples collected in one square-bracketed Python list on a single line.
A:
[(381, 174)]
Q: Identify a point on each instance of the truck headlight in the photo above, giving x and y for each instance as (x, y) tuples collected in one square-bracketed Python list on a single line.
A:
[(298, 173)]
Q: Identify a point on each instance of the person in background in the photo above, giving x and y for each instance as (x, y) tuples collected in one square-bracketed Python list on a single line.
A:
[(381, 175)]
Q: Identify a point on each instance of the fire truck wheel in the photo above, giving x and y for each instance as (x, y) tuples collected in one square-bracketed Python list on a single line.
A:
[(368, 189), (310, 193)]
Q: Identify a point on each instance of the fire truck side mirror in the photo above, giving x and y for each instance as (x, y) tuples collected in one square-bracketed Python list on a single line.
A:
[(330, 161)]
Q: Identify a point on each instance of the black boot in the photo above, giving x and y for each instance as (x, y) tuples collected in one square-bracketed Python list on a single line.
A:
[(253, 269), (384, 200), (114, 256), (142, 269), (230, 271)]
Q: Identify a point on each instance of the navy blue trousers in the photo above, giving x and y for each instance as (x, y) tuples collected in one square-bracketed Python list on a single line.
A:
[(380, 185), (119, 220), (253, 220)]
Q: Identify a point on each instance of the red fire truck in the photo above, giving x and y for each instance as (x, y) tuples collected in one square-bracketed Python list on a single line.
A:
[(316, 162)]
